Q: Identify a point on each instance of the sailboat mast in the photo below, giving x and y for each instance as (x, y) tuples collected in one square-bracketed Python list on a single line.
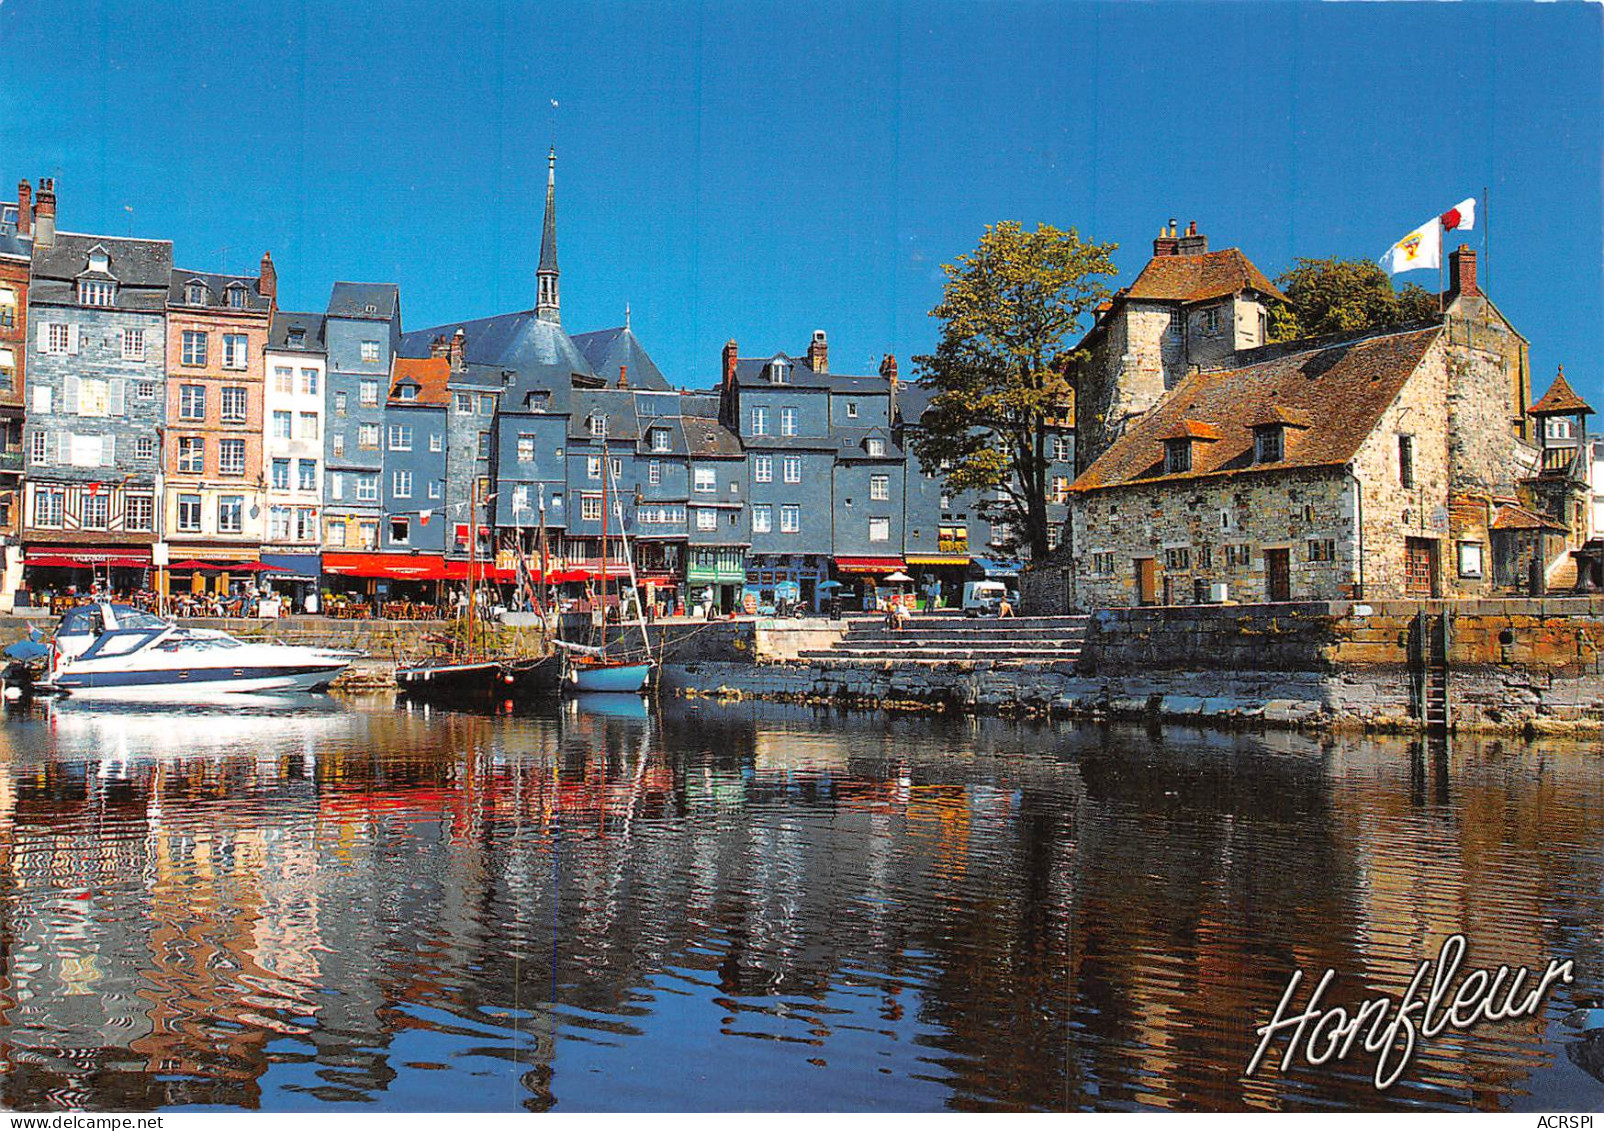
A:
[(605, 469), (473, 546)]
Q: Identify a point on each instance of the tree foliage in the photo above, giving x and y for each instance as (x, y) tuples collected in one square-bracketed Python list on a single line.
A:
[(1010, 312), (1332, 296)]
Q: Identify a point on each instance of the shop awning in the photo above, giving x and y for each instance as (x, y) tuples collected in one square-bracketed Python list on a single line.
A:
[(994, 566), (85, 557), (456, 570), (938, 559), (869, 565), (396, 567), (295, 567)]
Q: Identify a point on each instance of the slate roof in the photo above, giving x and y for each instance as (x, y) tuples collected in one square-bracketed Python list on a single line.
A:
[(278, 335), (1341, 389), (752, 371), (1195, 278), (216, 290), (540, 355), (430, 374), (12, 242), (618, 405), (143, 270), (609, 350), (705, 436), (351, 300), (1560, 400), (851, 443)]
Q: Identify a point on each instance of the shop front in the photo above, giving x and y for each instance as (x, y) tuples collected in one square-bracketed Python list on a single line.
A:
[(863, 580), (714, 576), (53, 573), (770, 577), (938, 579), (295, 579)]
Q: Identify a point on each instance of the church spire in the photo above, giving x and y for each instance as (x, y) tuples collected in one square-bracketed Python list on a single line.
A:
[(547, 306)]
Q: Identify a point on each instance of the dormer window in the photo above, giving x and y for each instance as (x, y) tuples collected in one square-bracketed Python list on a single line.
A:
[(236, 296), (297, 337), (875, 447), (1179, 456), (598, 424), (195, 294), (660, 438), (406, 392), (1269, 444), (536, 401), (1209, 321), (777, 369), (100, 262)]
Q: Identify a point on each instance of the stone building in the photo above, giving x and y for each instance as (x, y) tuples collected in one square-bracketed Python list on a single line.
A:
[(96, 371), (217, 336), (1190, 307), (1386, 464)]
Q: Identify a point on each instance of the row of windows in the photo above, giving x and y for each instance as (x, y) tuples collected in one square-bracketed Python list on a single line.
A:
[(366, 486), (195, 346), (287, 523), (763, 469), (192, 456), (1238, 555), (94, 510), (75, 450), (305, 475), (233, 403), (284, 381)]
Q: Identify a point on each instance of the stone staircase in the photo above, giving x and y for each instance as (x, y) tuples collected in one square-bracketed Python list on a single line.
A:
[(950, 638)]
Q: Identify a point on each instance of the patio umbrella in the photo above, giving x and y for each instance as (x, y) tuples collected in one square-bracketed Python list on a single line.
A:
[(193, 565), (823, 585), (898, 578)]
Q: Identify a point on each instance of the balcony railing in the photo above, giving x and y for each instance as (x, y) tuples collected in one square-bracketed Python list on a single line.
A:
[(11, 460), (1558, 461)]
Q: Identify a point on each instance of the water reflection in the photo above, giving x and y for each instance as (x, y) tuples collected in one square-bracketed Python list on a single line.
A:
[(609, 906)]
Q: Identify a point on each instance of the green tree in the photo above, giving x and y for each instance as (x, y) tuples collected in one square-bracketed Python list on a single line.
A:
[(1010, 312), (1331, 296)]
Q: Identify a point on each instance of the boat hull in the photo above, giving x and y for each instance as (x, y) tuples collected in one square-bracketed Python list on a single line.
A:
[(455, 683), (607, 677), (178, 684)]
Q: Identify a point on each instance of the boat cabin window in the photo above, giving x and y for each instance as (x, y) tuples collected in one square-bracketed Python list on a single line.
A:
[(119, 643), (86, 620)]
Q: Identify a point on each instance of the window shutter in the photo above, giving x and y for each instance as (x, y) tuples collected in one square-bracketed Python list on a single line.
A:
[(69, 395), (63, 447), (50, 447), (108, 451), (41, 400), (116, 402), (42, 338), (72, 337)]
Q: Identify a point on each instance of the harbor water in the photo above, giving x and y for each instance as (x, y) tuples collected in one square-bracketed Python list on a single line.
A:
[(322, 904)]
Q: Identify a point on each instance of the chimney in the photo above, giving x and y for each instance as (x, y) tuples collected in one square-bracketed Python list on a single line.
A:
[(888, 368), (267, 282), (819, 353), (1192, 243), (623, 376), (458, 349), (44, 214), (1462, 271), (24, 208), (729, 362), (437, 347), (1166, 244)]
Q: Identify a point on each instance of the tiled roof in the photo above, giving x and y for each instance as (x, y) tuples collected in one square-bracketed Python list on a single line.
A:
[(1341, 389), (1193, 278), (1280, 414), (430, 374), (1192, 430), (1560, 399), (1512, 517)]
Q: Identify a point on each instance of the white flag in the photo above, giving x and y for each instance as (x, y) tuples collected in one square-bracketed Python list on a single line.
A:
[(1419, 249), (1461, 217)]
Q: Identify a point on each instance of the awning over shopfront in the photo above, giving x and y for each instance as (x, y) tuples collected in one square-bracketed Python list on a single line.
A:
[(396, 567), (869, 565), (938, 559), (88, 557), (295, 567)]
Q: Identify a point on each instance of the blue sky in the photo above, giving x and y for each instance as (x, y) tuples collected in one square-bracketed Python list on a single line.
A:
[(752, 171)]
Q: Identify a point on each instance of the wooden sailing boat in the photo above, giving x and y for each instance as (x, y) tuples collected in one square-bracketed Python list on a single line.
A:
[(470, 675), (589, 669)]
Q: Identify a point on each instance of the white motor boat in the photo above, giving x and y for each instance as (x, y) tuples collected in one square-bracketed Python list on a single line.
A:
[(108, 651)]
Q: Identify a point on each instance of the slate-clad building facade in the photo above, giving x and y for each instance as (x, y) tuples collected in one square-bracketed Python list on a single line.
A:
[(413, 485), (96, 410), (362, 331), (16, 254)]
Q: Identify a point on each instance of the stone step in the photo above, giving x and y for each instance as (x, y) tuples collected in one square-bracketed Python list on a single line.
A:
[(916, 661), (1042, 656), (891, 647), (948, 634)]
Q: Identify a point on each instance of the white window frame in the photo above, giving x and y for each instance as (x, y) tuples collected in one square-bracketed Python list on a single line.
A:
[(790, 518)]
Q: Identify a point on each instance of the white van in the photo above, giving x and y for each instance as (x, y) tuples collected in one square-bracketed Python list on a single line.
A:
[(983, 597)]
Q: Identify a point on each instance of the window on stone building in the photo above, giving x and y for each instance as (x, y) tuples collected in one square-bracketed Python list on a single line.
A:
[(1322, 549), (790, 518), (370, 351), (1060, 489), (660, 439), (139, 512), (762, 518), (58, 337), (879, 487), (134, 348), (195, 294), (788, 422), (487, 404), (484, 445), (336, 532), (368, 532), (1470, 559), (1177, 456), (1406, 461), (145, 448), (1205, 557), (1268, 445), (38, 447), (368, 392), (1209, 321), (464, 403), (1238, 555), (1178, 558), (762, 469), (791, 467), (231, 457), (1103, 563)]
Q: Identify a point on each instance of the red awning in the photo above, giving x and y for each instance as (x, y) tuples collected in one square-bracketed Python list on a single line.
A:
[(869, 565), (397, 567), (482, 571), (74, 557)]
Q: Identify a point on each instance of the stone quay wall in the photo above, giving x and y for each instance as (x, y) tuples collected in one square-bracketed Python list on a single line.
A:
[(1515, 666)]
